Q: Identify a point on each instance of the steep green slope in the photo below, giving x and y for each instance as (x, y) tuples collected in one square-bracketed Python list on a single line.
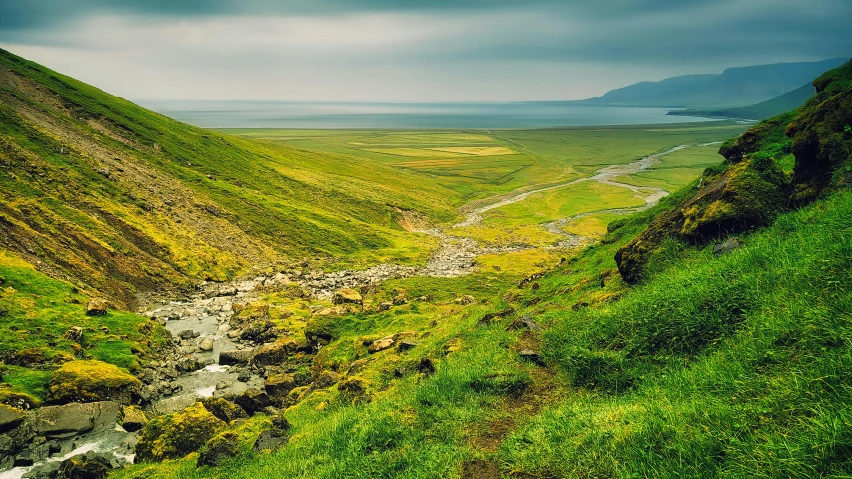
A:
[(122, 199)]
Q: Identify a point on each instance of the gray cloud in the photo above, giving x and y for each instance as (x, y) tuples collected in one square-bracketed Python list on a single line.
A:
[(413, 49)]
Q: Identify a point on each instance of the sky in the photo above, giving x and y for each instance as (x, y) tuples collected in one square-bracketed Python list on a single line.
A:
[(410, 50)]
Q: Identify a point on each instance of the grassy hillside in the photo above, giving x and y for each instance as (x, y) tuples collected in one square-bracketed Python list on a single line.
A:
[(122, 199), (731, 364)]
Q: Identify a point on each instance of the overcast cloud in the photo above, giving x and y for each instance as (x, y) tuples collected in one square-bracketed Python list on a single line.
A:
[(411, 50)]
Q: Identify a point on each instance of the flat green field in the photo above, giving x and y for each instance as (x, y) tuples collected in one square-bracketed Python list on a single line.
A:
[(478, 164), (475, 168)]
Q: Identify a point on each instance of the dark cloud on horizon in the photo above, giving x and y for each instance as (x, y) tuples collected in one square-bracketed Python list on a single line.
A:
[(672, 36)]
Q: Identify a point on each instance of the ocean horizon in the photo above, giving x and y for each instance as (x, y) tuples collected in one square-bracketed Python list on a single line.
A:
[(340, 115)]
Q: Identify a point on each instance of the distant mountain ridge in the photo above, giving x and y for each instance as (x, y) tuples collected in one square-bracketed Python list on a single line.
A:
[(735, 87), (765, 109)]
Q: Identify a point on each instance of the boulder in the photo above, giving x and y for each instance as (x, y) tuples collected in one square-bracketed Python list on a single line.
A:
[(490, 317), (90, 381), (47, 470), (96, 307), (822, 138), (85, 466), (75, 418), (133, 419), (224, 409), (531, 356), (206, 344), (426, 366), (10, 418), (524, 322), (274, 438), (347, 296), (218, 449), (175, 435), (28, 358), (398, 295), (271, 440), (188, 365), (272, 354), (259, 330), (186, 334), (748, 194), (465, 300), (405, 345), (235, 357), (75, 334), (277, 386), (253, 400), (319, 330), (381, 344)]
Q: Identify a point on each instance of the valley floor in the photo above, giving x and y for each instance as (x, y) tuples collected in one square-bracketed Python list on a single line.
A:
[(528, 199)]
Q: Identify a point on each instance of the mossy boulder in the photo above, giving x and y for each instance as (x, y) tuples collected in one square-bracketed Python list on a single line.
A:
[(748, 194), (822, 140), (97, 307), (319, 330), (175, 435), (224, 409), (218, 449), (347, 296), (272, 354), (91, 381), (753, 140), (85, 466)]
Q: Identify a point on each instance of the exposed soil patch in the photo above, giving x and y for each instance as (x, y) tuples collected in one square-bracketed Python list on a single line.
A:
[(480, 469)]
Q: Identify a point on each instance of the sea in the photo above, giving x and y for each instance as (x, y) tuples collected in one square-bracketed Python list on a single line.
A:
[(335, 115)]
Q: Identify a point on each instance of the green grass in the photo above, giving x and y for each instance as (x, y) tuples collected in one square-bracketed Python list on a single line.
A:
[(543, 157), (39, 310), (730, 366), (562, 203)]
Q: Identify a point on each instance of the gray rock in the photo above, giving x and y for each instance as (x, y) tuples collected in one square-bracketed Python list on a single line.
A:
[(48, 470), (10, 418), (75, 418), (271, 440), (235, 357), (188, 365), (206, 344), (253, 400), (186, 334)]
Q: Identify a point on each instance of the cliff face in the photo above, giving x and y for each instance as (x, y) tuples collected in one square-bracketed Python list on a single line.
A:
[(753, 189)]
